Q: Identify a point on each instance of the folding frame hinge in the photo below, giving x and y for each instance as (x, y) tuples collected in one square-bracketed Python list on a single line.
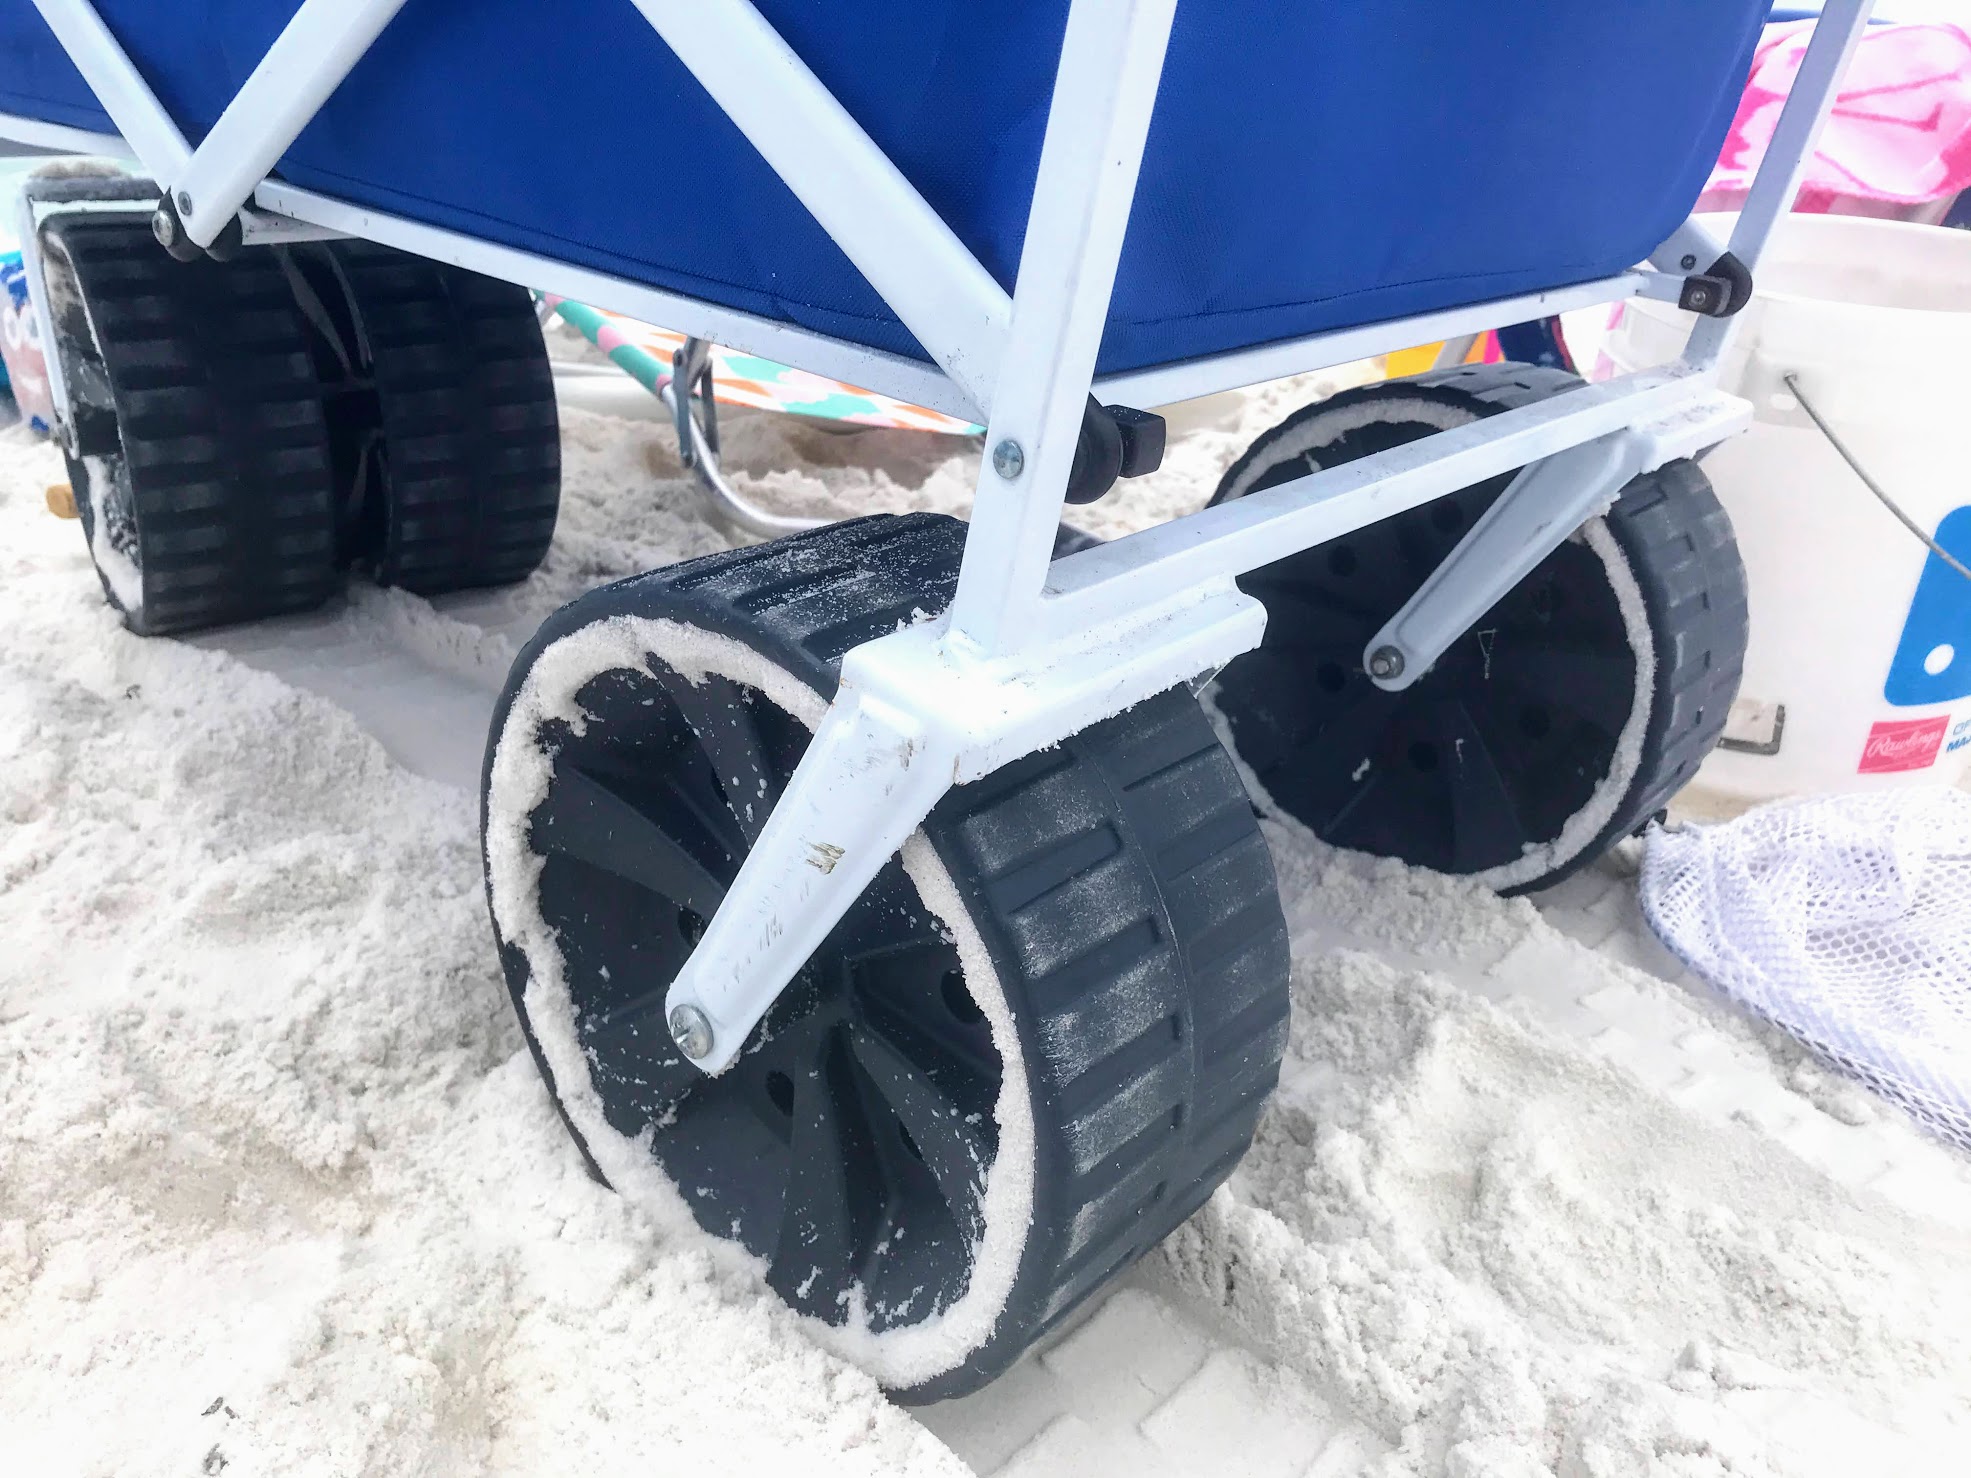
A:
[(168, 226), (1116, 441), (250, 226), (1718, 292)]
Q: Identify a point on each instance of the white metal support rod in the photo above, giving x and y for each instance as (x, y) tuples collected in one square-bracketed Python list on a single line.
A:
[(1232, 538), (1237, 368), (1836, 35), (881, 773), (61, 139), (118, 85), (910, 256), (307, 62), (910, 380), (1104, 93), (1544, 504), (890, 746)]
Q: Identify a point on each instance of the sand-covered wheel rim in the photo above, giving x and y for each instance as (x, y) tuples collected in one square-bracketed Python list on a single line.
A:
[(995, 1085), (1558, 723)]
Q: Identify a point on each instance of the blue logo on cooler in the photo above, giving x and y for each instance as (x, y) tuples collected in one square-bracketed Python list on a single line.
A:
[(1933, 661)]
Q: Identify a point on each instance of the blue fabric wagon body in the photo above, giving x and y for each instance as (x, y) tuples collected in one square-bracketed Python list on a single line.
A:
[(1313, 164)]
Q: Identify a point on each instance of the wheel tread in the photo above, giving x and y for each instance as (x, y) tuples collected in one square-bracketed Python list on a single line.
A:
[(471, 441), (1678, 542), (1101, 874), (220, 427)]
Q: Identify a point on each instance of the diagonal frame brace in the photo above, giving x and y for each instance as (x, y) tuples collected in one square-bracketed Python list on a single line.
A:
[(933, 283), (947, 300), (118, 86), (319, 46)]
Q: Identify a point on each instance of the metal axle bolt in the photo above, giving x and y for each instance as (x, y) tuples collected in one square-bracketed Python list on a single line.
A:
[(1385, 663), (1008, 460), (691, 1031), (164, 228)]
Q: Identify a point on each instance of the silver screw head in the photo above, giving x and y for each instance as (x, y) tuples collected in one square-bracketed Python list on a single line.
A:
[(163, 227), (1008, 460), (691, 1031), (1385, 663), (184, 202)]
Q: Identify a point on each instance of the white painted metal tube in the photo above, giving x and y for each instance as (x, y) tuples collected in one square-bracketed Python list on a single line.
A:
[(1166, 384), (307, 62), (61, 138), (911, 718), (1836, 35), (1536, 513), (1104, 93), (869, 777), (118, 85), (1232, 538), (910, 256), (910, 380)]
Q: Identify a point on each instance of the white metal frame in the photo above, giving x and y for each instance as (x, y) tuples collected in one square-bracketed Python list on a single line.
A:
[(1030, 651)]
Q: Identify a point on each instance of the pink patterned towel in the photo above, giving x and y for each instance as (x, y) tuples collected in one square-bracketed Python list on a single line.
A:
[(1899, 139)]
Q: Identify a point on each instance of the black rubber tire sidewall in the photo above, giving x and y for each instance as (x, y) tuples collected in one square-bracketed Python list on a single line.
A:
[(1202, 1150), (1676, 539)]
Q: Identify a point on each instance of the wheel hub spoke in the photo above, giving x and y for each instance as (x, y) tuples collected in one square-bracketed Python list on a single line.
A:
[(585, 819), (818, 1248), (1333, 766), (1504, 738), (631, 1042), (1485, 825), (945, 1129), (721, 714), (1595, 685)]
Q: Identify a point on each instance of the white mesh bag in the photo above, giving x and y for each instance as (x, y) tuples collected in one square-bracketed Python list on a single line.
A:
[(1847, 921)]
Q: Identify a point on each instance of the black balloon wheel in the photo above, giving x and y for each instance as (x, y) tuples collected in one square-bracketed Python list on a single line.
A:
[(848, 1144), (1492, 752)]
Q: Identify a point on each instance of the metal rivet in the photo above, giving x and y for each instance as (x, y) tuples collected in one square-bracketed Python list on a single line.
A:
[(1385, 663), (1008, 460), (164, 228), (184, 203), (691, 1031), (1689, 261)]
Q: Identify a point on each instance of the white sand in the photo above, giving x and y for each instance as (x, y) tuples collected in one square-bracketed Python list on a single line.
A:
[(1513, 1256), (280, 1193)]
